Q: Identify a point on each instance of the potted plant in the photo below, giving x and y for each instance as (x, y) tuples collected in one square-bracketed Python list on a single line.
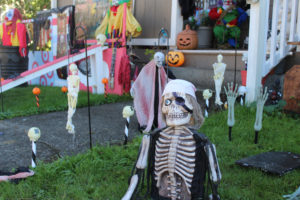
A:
[(205, 31)]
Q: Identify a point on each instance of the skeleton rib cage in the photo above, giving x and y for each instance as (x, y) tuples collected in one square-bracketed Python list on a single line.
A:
[(175, 155)]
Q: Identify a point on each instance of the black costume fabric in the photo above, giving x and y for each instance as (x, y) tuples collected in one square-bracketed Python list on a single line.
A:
[(187, 8), (201, 167)]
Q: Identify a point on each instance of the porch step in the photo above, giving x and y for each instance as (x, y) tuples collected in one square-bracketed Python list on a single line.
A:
[(198, 69), (203, 78), (204, 59)]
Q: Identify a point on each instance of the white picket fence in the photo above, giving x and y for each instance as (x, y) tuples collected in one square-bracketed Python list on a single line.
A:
[(264, 52)]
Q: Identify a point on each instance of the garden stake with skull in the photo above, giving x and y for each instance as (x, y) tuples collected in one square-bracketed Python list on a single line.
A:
[(177, 156)]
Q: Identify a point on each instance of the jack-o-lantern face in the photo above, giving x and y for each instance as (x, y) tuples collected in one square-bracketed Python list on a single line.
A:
[(187, 39), (175, 58)]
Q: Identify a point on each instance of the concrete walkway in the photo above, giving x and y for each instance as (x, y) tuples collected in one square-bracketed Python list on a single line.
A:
[(107, 126)]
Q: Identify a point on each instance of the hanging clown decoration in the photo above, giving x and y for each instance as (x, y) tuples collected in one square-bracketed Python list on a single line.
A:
[(73, 89), (112, 24), (13, 32), (177, 156), (228, 19)]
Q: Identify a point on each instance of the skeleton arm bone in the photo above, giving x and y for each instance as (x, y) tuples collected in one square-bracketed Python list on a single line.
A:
[(140, 165), (215, 174)]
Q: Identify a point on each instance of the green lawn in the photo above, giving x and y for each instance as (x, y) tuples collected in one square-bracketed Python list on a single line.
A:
[(103, 173), (20, 101)]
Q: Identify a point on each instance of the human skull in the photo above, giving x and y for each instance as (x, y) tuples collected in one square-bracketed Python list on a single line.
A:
[(34, 134), (127, 111), (220, 58), (207, 94), (101, 39), (73, 68), (174, 111), (159, 59)]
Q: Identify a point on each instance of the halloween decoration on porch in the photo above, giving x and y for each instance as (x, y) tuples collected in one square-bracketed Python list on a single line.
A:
[(13, 32), (219, 70), (231, 94), (177, 156), (260, 102), (34, 134), (206, 95), (242, 91), (127, 113), (112, 24), (228, 19), (187, 39), (73, 89), (175, 58), (36, 91), (147, 90)]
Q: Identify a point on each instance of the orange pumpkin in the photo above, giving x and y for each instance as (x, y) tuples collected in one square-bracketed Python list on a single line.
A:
[(36, 91), (104, 81), (64, 89), (2, 79), (187, 39), (175, 58)]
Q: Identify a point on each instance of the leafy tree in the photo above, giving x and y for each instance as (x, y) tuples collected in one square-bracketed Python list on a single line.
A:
[(28, 8)]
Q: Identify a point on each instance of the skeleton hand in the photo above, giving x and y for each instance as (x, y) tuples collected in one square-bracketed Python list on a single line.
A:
[(231, 94), (261, 99), (293, 196)]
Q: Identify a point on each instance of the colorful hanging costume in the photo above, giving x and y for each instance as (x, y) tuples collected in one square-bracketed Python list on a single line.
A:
[(13, 32), (228, 22), (112, 24), (144, 95)]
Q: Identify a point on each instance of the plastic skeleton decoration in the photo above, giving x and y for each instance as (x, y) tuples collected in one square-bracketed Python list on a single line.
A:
[(232, 94), (73, 89), (219, 70), (178, 155), (261, 99)]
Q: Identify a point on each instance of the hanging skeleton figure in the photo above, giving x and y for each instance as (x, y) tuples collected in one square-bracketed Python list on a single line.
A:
[(177, 156), (73, 89)]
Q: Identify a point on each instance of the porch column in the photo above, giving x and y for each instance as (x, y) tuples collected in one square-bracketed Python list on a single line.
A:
[(53, 3), (258, 28)]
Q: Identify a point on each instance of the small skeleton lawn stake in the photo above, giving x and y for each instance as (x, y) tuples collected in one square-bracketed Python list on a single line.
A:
[(219, 70), (127, 113), (231, 94), (34, 134), (260, 101), (177, 156), (242, 91), (206, 95), (73, 89)]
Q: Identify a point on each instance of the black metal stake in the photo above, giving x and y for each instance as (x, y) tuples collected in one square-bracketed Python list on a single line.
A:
[(87, 82), (229, 134), (256, 137), (2, 107), (235, 55)]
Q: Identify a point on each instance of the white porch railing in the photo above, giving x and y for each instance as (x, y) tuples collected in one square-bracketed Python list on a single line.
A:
[(265, 53)]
